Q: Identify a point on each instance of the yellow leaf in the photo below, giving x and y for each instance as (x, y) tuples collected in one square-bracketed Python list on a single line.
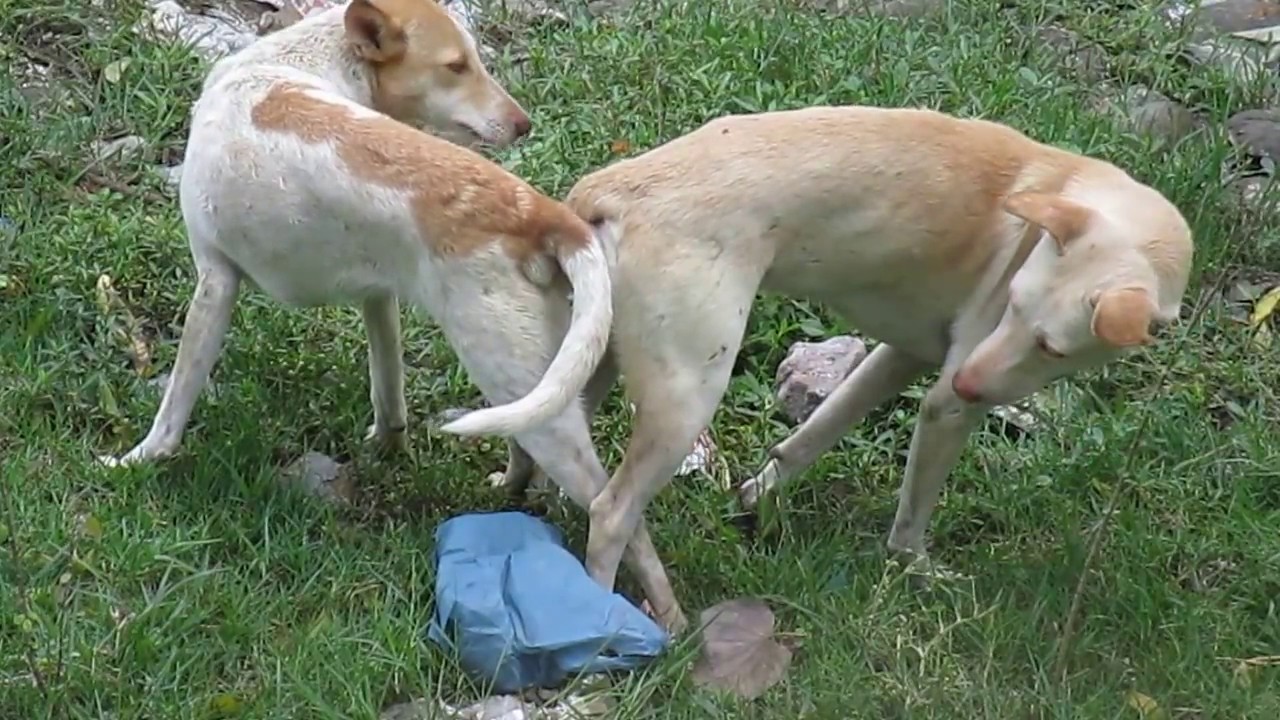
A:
[(92, 527), (1146, 706), (1265, 306), (113, 72), (226, 705)]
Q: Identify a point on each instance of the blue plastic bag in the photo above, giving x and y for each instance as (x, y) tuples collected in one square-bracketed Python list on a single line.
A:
[(520, 610)]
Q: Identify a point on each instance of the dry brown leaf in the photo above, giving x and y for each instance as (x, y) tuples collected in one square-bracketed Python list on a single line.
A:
[(618, 147), (125, 329), (739, 652)]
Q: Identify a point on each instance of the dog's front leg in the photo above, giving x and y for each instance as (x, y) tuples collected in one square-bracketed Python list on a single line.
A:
[(203, 332), (381, 315), (942, 429), (886, 372)]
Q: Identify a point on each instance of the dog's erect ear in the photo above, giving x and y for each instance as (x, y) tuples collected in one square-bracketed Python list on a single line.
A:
[(1122, 317), (374, 36), (1065, 220)]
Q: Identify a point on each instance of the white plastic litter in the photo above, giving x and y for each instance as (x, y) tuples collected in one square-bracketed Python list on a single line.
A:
[(216, 28)]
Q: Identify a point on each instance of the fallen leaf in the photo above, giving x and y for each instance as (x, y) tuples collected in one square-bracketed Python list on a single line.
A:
[(123, 327), (739, 652), (225, 705), (1244, 668), (1265, 306), (91, 527), (113, 72), (1263, 309), (618, 147), (1146, 706)]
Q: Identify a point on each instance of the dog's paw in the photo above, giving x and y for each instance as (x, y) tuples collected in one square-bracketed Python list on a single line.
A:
[(751, 492), (388, 440), (137, 456), (112, 461), (923, 571), (672, 620)]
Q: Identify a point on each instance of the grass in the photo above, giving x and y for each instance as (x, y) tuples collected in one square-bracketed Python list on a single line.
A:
[(201, 588)]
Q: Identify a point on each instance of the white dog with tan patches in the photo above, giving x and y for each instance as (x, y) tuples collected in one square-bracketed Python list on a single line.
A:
[(304, 177), (960, 244)]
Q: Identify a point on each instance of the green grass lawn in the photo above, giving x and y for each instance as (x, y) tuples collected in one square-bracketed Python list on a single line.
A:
[(200, 588)]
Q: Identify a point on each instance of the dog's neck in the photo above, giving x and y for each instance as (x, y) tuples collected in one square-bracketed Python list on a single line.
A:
[(982, 313), (317, 46)]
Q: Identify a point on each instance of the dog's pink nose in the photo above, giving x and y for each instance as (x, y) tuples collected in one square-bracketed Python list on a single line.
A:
[(522, 124), (965, 388)]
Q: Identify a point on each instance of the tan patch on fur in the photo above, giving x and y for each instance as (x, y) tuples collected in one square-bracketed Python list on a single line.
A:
[(460, 201), (1065, 220), (1122, 317)]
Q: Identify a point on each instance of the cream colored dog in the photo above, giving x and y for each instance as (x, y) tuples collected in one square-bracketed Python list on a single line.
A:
[(959, 244)]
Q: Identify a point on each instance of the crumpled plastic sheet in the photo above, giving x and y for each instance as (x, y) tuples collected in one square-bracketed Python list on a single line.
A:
[(520, 611), (216, 30)]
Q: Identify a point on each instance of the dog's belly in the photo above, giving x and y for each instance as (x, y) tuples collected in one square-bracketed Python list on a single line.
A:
[(871, 292)]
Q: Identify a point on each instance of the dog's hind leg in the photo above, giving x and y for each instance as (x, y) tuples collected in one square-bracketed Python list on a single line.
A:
[(563, 449), (381, 315), (203, 333), (883, 374), (505, 353), (676, 349), (522, 473)]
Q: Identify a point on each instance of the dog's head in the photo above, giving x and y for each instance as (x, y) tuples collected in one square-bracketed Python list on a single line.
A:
[(426, 72), (1095, 286)]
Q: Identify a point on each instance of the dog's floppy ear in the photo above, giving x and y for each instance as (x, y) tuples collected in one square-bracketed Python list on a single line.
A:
[(374, 36), (1122, 317), (1065, 220)]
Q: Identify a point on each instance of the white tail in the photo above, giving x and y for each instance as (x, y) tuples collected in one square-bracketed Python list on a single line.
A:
[(580, 353)]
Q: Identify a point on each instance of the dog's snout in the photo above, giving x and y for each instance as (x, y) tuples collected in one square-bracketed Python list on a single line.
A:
[(522, 124), (965, 388)]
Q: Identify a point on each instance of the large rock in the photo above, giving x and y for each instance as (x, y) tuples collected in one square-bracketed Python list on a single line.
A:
[(811, 371)]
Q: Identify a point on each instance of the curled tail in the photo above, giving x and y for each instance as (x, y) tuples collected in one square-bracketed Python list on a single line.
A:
[(587, 267)]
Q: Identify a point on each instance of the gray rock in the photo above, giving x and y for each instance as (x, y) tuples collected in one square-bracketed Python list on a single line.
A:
[(811, 371), (320, 475), (1149, 113), (902, 9), (1086, 60), (1157, 116), (1257, 132), (1234, 16)]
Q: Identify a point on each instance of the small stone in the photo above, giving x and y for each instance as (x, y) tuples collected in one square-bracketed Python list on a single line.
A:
[(1238, 16), (900, 9), (1086, 60), (119, 148), (1253, 191), (1156, 116), (1257, 132), (320, 475), (811, 371)]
